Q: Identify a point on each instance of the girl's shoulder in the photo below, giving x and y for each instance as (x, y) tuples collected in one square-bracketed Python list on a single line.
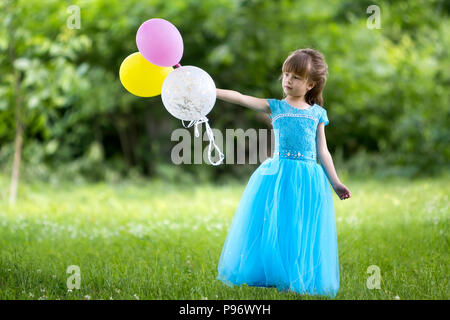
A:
[(320, 109), (318, 106), (322, 115)]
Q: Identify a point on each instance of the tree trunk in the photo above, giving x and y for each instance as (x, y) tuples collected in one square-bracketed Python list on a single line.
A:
[(17, 141), (18, 113), (17, 156)]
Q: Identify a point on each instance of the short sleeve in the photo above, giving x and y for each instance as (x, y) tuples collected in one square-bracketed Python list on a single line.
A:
[(273, 106), (324, 117)]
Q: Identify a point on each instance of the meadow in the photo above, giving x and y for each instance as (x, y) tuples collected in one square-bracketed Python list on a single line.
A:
[(145, 239)]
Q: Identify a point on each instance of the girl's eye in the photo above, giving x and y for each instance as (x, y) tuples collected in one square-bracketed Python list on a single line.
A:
[(294, 76)]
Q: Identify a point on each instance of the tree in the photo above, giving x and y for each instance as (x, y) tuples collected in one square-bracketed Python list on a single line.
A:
[(40, 73)]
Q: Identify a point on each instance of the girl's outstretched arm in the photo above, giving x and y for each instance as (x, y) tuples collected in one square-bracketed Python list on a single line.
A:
[(235, 97)]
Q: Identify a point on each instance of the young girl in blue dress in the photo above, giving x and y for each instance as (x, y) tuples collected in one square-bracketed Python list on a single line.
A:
[(283, 233)]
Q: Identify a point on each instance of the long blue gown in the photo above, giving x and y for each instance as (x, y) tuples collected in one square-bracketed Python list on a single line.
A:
[(283, 233)]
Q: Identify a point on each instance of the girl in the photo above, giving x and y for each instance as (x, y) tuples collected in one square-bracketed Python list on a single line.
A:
[(283, 233)]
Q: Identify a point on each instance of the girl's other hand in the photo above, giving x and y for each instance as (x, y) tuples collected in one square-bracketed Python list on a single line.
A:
[(342, 191)]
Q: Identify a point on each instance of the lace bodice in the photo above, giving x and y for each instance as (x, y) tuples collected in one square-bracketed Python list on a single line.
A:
[(295, 129)]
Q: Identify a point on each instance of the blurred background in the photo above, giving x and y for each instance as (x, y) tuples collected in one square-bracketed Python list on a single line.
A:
[(89, 165), (387, 93)]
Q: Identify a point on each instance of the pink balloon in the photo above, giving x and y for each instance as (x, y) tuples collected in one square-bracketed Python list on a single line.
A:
[(160, 42)]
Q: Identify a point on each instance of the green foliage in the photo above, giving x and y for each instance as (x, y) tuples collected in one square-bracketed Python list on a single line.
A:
[(386, 95)]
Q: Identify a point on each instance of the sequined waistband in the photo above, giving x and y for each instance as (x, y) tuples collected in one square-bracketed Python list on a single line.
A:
[(295, 154)]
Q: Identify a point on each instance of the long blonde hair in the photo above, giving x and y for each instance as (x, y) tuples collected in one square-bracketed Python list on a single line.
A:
[(310, 65)]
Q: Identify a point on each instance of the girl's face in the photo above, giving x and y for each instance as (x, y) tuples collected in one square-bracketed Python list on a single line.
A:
[(294, 85)]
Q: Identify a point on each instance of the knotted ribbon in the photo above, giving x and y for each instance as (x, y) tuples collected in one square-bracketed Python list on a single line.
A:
[(210, 137)]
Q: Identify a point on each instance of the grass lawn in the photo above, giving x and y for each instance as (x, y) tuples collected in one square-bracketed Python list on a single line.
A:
[(152, 240)]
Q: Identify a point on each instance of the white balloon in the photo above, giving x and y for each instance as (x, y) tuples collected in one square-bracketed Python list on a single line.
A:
[(188, 93)]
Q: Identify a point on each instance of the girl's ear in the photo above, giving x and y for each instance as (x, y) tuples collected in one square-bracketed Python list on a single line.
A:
[(311, 85)]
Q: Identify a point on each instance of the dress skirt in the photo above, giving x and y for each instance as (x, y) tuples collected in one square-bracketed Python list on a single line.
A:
[(283, 233)]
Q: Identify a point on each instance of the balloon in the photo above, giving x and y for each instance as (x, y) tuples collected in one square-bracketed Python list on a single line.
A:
[(142, 78), (160, 42), (188, 93)]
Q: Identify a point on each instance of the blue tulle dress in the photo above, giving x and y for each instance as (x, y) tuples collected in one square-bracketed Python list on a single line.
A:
[(283, 233)]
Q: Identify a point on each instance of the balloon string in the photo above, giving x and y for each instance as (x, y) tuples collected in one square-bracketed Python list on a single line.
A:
[(210, 137)]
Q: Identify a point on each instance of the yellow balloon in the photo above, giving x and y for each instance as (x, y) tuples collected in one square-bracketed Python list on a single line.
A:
[(142, 78)]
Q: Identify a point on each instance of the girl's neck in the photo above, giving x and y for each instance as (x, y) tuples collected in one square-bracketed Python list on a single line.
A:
[(297, 101)]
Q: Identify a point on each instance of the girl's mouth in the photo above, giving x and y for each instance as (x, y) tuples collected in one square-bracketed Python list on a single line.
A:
[(287, 87)]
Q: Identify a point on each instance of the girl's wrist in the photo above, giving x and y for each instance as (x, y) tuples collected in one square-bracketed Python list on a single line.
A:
[(336, 183)]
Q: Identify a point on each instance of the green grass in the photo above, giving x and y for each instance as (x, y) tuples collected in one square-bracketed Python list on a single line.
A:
[(161, 241)]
